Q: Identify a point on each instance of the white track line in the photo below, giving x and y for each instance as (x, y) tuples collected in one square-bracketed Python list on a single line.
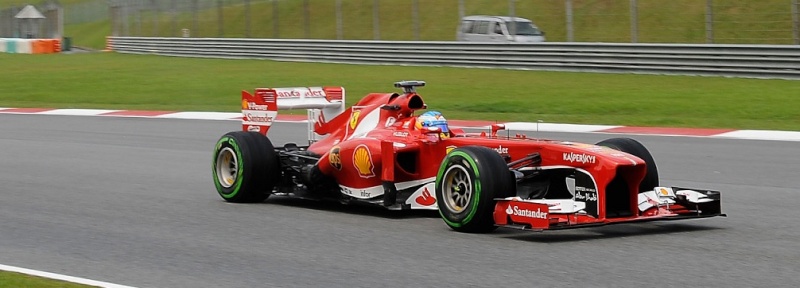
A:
[(67, 278)]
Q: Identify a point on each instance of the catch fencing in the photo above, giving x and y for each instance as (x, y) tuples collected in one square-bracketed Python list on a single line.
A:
[(611, 21), (757, 61)]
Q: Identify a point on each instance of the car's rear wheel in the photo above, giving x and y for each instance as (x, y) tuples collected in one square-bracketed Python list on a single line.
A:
[(636, 148), (469, 180), (245, 167)]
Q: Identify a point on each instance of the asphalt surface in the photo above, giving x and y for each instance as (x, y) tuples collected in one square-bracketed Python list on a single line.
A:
[(131, 201)]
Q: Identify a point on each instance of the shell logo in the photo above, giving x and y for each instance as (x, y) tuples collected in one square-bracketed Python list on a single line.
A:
[(335, 158), (449, 148), (362, 159), (354, 119), (244, 104)]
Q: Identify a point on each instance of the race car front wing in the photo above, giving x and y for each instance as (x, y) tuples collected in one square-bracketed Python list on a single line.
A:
[(660, 204)]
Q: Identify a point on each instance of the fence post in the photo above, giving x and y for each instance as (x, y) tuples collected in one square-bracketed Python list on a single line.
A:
[(634, 22), (570, 31), (709, 21), (174, 12), (220, 21), (156, 19), (415, 18), (247, 18), (195, 20), (339, 30), (512, 13), (461, 9), (376, 26), (275, 21), (306, 20), (796, 21)]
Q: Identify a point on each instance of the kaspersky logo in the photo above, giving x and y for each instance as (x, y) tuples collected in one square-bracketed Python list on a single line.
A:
[(516, 211)]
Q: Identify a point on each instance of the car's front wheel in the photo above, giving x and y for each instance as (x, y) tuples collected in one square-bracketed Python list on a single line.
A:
[(469, 180)]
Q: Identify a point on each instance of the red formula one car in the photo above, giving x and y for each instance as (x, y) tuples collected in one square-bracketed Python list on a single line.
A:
[(382, 151)]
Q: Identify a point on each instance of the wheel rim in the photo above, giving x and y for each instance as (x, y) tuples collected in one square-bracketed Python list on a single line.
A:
[(457, 189), (227, 167)]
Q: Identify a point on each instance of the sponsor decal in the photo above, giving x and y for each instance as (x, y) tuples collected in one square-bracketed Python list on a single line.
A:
[(579, 158), (501, 150), (400, 134), (406, 124), (585, 196), (362, 159), (362, 193), (251, 117), (247, 105), (253, 128), (354, 118), (426, 199), (335, 158), (586, 191), (449, 148), (310, 92), (516, 211), (390, 121)]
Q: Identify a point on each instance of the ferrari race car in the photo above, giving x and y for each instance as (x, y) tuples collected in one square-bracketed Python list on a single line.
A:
[(381, 151)]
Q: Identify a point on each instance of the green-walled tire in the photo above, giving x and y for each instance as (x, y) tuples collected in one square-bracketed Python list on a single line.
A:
[(245, 167), (469, 180)]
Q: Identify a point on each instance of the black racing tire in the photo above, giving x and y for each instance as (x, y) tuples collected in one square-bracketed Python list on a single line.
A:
[(245, 167), (636, 148), (469, 180)]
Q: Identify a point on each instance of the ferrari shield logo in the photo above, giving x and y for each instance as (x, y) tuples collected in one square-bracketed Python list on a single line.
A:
[(354, 118)]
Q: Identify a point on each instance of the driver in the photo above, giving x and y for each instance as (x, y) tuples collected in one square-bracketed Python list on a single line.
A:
[(433, 119)]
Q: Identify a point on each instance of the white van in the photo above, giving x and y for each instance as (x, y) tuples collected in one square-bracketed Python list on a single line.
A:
[(481, 28)]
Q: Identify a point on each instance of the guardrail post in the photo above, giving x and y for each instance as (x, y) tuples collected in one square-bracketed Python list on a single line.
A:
[(570, 31), (634, 22), (709, 21), (339, 29)]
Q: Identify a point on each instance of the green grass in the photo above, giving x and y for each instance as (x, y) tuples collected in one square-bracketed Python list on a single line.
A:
[(17, 280), (120, 81)]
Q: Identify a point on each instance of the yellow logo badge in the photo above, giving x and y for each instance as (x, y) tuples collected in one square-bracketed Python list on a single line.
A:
[(244, 104), (362, 159), (354, 118), (335, 159)]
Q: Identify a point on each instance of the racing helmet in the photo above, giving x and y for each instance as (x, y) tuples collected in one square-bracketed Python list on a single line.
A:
[(433, 119)]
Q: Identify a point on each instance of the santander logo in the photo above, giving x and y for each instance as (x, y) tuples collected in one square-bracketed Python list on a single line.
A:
[(425, 199), (516, 211)]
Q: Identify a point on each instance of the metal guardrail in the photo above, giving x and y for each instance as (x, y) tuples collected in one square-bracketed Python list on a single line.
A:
[(752, 61)]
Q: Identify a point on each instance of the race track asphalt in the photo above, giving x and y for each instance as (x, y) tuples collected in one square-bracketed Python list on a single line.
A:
[(131, 201)]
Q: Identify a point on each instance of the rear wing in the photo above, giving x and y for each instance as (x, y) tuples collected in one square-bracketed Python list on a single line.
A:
[(260, 109)]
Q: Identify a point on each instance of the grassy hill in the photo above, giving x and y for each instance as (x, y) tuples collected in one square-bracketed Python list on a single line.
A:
[(658, 21)]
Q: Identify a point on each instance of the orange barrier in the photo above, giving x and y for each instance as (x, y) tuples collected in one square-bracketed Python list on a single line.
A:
[(45, 46)]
